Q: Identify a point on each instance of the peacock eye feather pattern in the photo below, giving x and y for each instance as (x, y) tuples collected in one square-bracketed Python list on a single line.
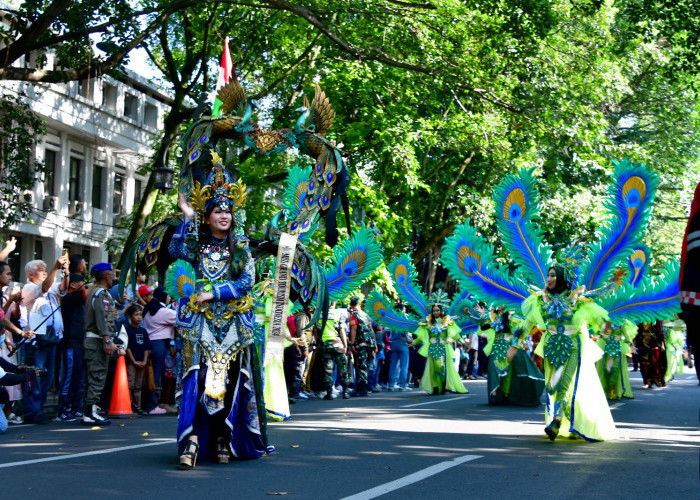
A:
[(381, 310), (403, 273), (638, 262), (353, 261), (180, 280), (654, 298), (468, 256), (517, 210), (629, 202), (464, 296)]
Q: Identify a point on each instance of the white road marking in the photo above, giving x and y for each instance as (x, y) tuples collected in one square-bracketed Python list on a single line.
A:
[(617, 405), (86, 454), (434, 402), (412, 478)]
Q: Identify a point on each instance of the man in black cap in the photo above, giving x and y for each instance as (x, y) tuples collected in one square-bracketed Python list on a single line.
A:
[(99, 340)]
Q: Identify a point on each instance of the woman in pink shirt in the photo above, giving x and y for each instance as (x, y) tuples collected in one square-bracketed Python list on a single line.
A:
[(159, 322)]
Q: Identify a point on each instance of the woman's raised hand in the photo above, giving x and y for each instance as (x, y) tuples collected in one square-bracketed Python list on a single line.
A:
[(185, 206)]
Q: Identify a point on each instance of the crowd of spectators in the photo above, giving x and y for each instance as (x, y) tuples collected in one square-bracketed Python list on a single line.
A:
[(61, 334)]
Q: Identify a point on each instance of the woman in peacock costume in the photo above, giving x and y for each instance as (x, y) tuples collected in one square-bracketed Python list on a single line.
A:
[(436, 331), (617, 342), (221, 390), (675, 342), (513, 378), (562, 304)]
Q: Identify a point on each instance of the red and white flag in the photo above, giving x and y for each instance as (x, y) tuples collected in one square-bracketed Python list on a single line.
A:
[(225, 72)]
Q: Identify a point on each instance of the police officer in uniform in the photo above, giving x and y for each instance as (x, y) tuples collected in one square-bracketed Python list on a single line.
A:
[(99, 340)]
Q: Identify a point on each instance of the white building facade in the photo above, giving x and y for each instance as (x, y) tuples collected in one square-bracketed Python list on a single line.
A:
[(99, 133)]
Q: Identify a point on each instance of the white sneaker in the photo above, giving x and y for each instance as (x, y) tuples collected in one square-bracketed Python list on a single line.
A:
[(303, 395)]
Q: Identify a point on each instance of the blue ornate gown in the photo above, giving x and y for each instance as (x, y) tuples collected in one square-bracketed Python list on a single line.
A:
[(220, 384)]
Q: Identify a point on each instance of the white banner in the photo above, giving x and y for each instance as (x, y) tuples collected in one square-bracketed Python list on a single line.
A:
[(280, 297)]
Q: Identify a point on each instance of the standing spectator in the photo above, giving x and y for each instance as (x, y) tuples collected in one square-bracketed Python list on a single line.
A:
[(333, 348), (362, 344), (295, 357), (483, 358), (10, 308), (40, 298), (137, 354), (398, 363), (159, 322), (99, 340), (377, 357), (72, 385), (473, 363)]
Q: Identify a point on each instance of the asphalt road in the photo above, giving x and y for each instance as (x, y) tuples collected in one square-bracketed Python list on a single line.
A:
[(391, 444)]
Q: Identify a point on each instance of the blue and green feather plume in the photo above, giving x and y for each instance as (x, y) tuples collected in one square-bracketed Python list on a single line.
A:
[(630, 202), (404, 276), (655, 298), (353, 261), (381, 310), (470, 260), (638, 263), (517, 210)]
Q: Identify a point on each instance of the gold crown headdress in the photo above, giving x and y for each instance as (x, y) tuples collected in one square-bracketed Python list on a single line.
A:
[(220, 190)]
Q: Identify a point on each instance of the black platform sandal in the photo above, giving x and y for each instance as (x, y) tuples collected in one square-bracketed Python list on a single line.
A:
[(189, 458)]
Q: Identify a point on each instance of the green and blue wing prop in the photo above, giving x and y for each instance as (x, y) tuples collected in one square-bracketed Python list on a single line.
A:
[(517, 210), (353, 262), (404, 276), (150, 250), (630, 202), (381, 310), (638, 262), (470, 260), (653, 299), (180, 280), (463, 310)]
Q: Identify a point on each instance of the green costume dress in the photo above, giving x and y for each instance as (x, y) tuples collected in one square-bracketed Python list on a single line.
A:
[(440, 373), (518, 381), (674, 352), (574, 393), (612, 367)]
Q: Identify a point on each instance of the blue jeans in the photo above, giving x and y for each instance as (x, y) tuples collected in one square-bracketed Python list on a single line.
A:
[(35, 397), (398, 357), (3, 420), (73, 380), (373, 371), (158, 352)]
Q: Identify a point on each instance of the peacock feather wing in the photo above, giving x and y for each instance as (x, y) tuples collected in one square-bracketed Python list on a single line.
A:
[(150, 249), (470, 260), (517, 210), (462, 296), (638, 262), (630, 201), (652, 299), (381, 310), (403, 274), (180, 280), (353, 261), (231, 95), (322, 111)]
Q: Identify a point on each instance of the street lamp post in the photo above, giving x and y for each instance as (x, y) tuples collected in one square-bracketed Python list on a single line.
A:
[(163, 178)]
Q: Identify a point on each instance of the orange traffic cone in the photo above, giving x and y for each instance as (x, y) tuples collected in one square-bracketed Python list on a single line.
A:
[(120, 405)]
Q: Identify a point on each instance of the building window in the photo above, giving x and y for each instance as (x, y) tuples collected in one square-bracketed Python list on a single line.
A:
[(131, 104), (97, 176), (38, 249), (137, 192), (109, 96), (86, 88), (118, 191), (76, 167), (51, 163), (14, 259), (150, 116)]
